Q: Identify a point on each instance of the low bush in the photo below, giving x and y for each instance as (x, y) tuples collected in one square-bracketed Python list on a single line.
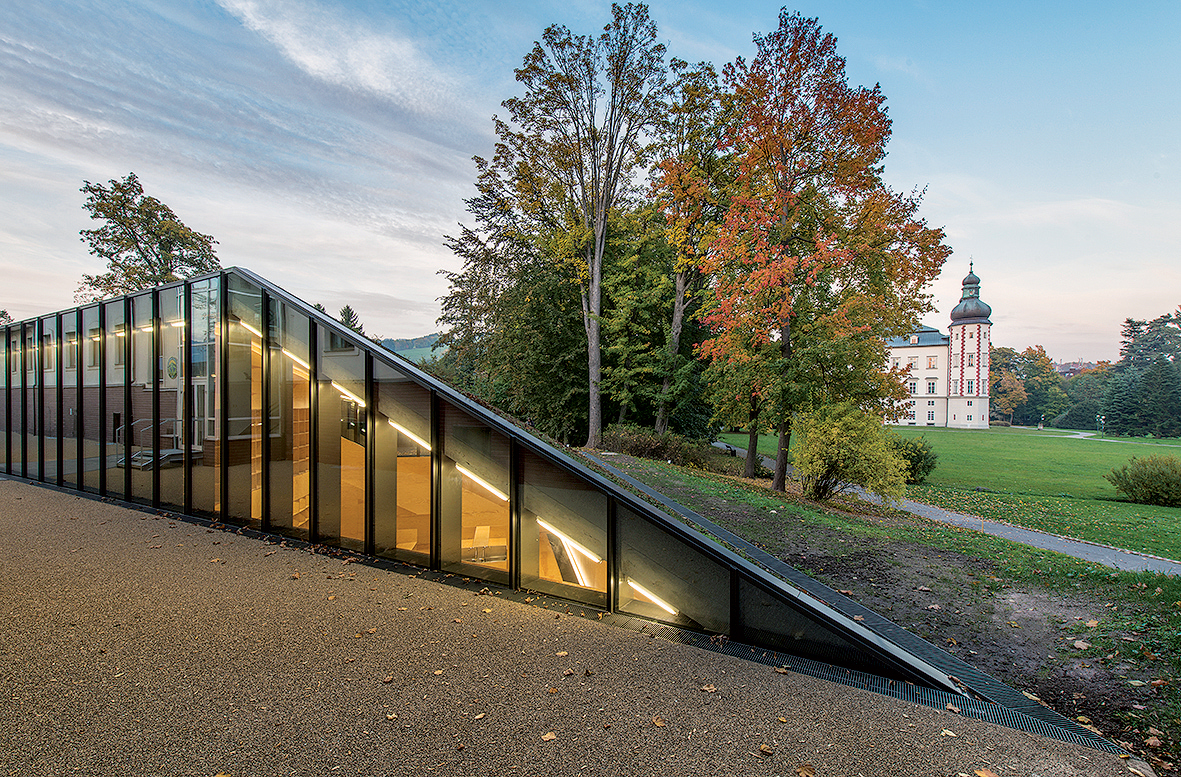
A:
[(843, 446), (920, 457), (1154, 480), (645, 443)]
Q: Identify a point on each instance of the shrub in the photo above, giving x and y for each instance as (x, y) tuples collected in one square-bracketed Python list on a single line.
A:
[(1155, 480), (842, 446), (644, 443), (920, 457)]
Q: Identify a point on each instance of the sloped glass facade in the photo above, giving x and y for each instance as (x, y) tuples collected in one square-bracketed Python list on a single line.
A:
[(225, 397)]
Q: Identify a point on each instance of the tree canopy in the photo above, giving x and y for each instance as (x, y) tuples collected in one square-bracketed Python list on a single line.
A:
[(143, 242)]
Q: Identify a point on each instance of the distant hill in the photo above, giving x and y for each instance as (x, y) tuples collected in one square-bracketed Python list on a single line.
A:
[(415, 348)]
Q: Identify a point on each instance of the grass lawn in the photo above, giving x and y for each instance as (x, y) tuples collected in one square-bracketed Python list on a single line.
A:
[(1047, 480)]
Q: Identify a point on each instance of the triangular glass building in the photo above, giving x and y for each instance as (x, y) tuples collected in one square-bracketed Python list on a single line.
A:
[(224, 397)]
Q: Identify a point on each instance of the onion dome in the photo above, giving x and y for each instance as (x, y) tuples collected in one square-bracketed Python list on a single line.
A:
[(971, 309)]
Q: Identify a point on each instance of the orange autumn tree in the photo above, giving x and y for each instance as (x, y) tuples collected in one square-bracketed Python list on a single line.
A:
[(817, 261)]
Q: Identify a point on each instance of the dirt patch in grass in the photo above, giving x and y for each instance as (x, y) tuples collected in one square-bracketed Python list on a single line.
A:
[(1083, 645)]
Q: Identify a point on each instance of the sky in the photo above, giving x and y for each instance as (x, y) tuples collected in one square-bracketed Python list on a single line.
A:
[(327, 145)]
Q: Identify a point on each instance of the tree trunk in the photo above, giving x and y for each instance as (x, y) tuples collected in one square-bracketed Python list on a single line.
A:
[(779, 482), (674, 347), (752, 440), (594, 354)]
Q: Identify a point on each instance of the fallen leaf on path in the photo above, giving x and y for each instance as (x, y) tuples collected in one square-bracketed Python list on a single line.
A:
[(708, 688), (389, 678), (858, 617), (480, 716), (922, 588), (985, 773), (1137, 683), (438, 671), (1078, 643), (658, 721), (948, 733), (782, 719), (780, 670), (807, 770), (562, 653), (1152, 742), (552, 690), (952, 708), (487, 609), (766, 750), (549, 736), (1092, 624)]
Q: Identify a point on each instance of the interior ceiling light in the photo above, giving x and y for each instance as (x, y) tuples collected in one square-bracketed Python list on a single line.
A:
[(642, 591), (296, 359), (249, 328), (421, 443), (487, 486), (577, 546), (346, 394)]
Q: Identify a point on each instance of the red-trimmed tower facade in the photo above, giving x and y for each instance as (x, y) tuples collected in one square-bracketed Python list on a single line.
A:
[(967, 389)]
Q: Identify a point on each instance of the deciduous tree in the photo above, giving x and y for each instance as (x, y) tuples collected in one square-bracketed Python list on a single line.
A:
[(141, 239), (816, 254), (570, 147)]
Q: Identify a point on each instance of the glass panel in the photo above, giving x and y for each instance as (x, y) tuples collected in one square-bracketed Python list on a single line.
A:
[(116, 422), (29, 405), (402, 470), (662, 578), (50, 433), (140, 430), (5, 442), (340, 457), (770, 622), (474, 508), (69, 381), (172, 383), (17, 440), (563, 532), (92, 422), (206, 431), (289, 433), (245, 409)]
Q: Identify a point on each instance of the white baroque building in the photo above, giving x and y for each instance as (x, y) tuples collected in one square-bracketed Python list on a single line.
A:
[(948, 374)]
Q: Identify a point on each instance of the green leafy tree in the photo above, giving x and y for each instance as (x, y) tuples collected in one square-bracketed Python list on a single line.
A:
[(141, 239), (573, 142), (842, 446), (1142, 342), (1158, 399), (4, 317)]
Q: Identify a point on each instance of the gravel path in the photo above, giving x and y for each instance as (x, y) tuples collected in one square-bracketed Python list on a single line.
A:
[(1116, 558), (136, 644)]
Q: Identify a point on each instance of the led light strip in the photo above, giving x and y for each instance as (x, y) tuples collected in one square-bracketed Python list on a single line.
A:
[(580, 548), (249, 328), (498, 493), (346, 394), (296, 359), (421, 443), (651, 597)]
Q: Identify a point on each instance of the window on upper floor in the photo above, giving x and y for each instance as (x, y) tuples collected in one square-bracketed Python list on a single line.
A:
[(913, 387), (932, 362), (971, 386), (970, 358), (912, 362), (931, 387)]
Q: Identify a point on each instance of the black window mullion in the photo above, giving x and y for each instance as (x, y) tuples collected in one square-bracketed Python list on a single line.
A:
[(7, 400), (436, 482), (514, 514), (186, 386), (156, 353), (79, 404), (370, 455), (128, 330), (265, 483), (39, 394), (314, 429), (612, 557), (223, 391), (59, 367), (102, 399)]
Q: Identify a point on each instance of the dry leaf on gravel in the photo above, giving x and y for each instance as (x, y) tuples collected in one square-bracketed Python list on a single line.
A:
[(952, 708), (782, 719), (1152, 742), (807, 770), (766, 750), (780, 670), (948, 733), (549, 736), (438, 671), (487, 609), (1079, 644), (1092, 624), (480, 716), (858, 617), (552, 690), (985, 773), (658, 721), (389, 678), (562, 653), (708, 688)]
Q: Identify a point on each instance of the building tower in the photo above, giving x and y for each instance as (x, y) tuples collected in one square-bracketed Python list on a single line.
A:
[(967, 391)]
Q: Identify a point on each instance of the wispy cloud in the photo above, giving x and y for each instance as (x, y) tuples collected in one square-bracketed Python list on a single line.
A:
[(347, 53)]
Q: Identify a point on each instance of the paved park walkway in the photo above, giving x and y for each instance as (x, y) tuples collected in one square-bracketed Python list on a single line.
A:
[(1116, 558)]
